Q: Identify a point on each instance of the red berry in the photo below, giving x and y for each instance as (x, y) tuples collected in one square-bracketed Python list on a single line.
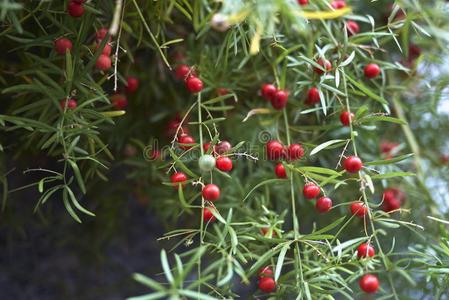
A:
[(101, 34), (75, 9), (386, 147), (211, 192), (265, 272), (279, 170), (303, 2), (369, 283), (280, 99), (79, 1), (222, 91), (208, 216), (353, 164), (268, 91), (132, 84), (365, 250), (206, 147), (103, 62), (119, 101), (62, 45), (106, 50), (353, 27), (325, 64), (323, 204), (392, 199), (223, 147), (267, 284), (194, 84), (338, 4), (275, 150), (186, 139), (182, 71), (223, 163), (371, 71), (346, 117), (313, 96), (295, 152), (178, 178), (71, 103), (311, 190), (265, 230), (359, 209), (413, 52)]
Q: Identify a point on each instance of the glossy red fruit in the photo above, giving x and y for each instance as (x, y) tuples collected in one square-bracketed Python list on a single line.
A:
[(208, 216), (352, 27), (267, 284), (71, 103), (313, 96), (393, 198), (119, 101), (75, 9), (323, 204), (103, 62), (223, 163), (211, 192), (223, 147), (275, 150), (106, 50), (346, 117), (303, 2), (62, 45), (338, 4), (280, 99), (279, 170), (371, 71), (325, 64), (369, 283), (295, 152), (353, 164), (186, 139), (194, 84), (311, 191), (222, 91), (178, 179), (132, 84), (386, 147), (101, 34), (365, 250), (265, 272), (268, 91), (182, 71), (359, 209), (206, 147)]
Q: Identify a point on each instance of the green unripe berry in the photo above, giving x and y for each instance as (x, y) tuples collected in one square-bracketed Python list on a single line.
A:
[(206, 163)]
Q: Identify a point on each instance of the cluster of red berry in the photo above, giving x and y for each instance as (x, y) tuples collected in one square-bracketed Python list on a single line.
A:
[(189, 75), (104, 61), (277, 151), (266, 280), (277, 97)]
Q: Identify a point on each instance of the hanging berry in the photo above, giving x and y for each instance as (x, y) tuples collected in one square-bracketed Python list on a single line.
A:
[(211, 192), (326, 66), (267, 284), (62, 45), (365, 250), (265, 272), (313, 96), (311, 190), (279, 170), (295, 152), (353, 164), (222, 91), (132, 84), (208, 216), (178, 179), (359, 209), (266, 230), (75, 9), (275, 150), (103, 62), (323, 204), (224, 163), (280, 99), (346, 117), (194, 84), (182, 71), (101, 34), (268, 91), (71, 103), (107, 49), (371, 71), (119, 101), (392, 199), (352, 27), (303, 2), (223, 147), (186, 141), (206, 163), (369, 283), (338, 4)]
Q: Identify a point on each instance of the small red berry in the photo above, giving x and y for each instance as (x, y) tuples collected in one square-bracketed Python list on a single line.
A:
[(265, 272), (386, 147), (359, 209), (313, 96), (208, 216), (178, 179), (268, 91), (279, 170), (369, 283), (106, 50), (182, 71), (295, 152), (194, 84), (265, 230), (267, 284), (206, 147), (186, 139), (222, 91), (346, 117), (62, 45), (371, 71), (338, 4), (71, 103), (365, 250), (353, 27), (223, 147), (280, 99), (101, 34), (311, 190), (223, 163), (132, 84), (392, 199), (323, 204), (75, 9), (303, 2), (103, 62), (275, 150), (325, 64), (353, 164), (119, 101), (211, 192)]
